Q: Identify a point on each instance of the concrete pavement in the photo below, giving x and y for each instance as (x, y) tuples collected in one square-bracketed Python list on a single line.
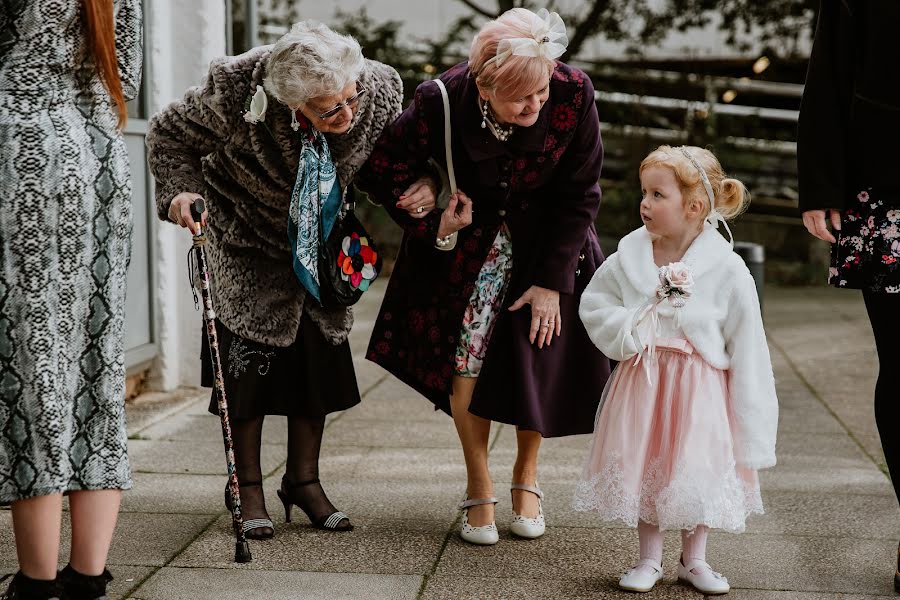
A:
[(394, 464)]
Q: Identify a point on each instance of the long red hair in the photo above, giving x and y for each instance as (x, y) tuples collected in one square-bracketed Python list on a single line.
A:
[(101, 32)]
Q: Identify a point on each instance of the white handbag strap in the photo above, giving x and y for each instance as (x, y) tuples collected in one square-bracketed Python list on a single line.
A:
[(447, 149)]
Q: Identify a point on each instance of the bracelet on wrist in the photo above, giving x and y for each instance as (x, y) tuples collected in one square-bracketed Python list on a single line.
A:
[(447, 242)]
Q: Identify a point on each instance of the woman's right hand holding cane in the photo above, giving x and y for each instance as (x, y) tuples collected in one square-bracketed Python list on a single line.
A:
[(456, 216), (180, 211)]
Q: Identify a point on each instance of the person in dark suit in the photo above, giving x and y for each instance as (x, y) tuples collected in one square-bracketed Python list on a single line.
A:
[(846, 149)]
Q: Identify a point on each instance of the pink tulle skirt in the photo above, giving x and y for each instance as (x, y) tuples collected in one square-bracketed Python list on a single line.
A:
[(663, 450)]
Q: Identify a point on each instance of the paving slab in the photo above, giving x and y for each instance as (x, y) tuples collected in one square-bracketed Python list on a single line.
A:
[(202, 458), (583, 588), (394, 433), (175, 494), (741, 594), (185, 427), (374, 546), (223, 584), (139, 540), (151, 407), (427, 500), (390, 465), (804, 563)]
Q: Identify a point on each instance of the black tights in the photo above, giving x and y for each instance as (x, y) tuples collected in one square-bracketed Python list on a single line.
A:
[(304, 443), (884, 315)]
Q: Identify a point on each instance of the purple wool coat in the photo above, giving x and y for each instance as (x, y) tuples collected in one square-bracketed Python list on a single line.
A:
[(543, 182)]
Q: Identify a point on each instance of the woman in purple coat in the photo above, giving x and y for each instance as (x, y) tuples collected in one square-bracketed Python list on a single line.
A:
[(454, 324)]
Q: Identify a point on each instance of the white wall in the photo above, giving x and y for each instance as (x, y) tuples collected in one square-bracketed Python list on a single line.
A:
[(182, 38)]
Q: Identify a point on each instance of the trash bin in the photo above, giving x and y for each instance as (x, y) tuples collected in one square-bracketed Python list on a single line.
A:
[(754, 257)]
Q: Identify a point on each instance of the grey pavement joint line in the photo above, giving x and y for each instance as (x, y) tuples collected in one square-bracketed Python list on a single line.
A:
[(173, 557), (452, 529), (834, 415)]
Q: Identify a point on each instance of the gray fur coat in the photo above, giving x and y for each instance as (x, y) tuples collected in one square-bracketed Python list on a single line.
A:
[(202, 144)]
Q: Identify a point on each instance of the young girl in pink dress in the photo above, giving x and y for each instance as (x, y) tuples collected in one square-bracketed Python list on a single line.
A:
[(690, 413)]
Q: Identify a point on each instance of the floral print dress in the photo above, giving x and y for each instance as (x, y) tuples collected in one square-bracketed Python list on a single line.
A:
[(486, 300), (867, 253)]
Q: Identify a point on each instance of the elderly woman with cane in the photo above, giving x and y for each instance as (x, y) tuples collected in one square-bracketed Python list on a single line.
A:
[(525, 139), (272, 141)]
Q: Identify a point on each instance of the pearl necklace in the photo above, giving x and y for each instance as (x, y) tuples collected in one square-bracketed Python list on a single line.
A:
[(489, 122)]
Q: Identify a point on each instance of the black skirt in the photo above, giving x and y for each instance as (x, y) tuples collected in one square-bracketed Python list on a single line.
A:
[(310, 378)]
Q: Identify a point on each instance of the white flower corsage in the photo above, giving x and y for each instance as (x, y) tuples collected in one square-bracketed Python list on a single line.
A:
[(255, 106), (675, 283), (255, 109)]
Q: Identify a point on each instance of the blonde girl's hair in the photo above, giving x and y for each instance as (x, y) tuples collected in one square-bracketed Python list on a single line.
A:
[(732, 197), (517, 76)]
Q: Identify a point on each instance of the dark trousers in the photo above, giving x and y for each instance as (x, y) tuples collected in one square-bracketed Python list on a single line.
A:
[(884, 315)]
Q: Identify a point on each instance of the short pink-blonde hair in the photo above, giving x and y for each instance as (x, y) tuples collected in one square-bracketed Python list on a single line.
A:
[(517, 76)]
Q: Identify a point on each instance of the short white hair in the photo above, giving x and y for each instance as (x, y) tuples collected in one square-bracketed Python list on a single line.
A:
[(311, 61)]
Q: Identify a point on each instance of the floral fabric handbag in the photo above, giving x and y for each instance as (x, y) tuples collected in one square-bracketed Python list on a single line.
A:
[(348, 260)]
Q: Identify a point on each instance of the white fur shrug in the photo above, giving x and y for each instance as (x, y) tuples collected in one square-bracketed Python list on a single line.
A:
[(721, 320)]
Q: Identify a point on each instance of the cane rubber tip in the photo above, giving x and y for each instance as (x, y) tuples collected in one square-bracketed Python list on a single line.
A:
[(242, 552)]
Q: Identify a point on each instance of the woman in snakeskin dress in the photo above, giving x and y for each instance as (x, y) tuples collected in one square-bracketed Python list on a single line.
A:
[(66, 68)]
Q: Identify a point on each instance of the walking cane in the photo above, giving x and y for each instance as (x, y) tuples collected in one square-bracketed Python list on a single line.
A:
[(242, 548)]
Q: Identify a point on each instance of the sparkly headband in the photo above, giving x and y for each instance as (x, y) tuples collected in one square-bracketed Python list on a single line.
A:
[(714, 215), (548, 40)]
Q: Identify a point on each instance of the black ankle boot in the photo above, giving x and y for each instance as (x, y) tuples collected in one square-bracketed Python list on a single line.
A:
[(25, 588), (83, 587)]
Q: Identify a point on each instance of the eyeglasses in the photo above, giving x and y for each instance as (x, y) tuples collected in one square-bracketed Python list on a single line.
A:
[(351, 103)]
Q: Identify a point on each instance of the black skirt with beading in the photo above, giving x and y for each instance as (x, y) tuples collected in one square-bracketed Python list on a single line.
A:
[(310, 378)]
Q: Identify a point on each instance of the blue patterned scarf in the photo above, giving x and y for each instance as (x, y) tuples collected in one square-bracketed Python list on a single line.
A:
[(315, 205)]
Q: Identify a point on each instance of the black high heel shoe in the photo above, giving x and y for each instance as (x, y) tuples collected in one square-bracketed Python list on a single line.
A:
[(289, 497), (22, 587), (76, 586), (254, 529)]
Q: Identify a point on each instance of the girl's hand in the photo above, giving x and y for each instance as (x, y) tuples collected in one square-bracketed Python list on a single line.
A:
[(815, 223), (419, 199), (545, 317), (180, 211), (457, 215)]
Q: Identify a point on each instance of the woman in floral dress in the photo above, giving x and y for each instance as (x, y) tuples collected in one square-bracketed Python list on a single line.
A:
[(527, 153)]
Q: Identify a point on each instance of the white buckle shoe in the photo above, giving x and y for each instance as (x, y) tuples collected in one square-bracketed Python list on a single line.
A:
[(486, 535), (704, 579), (526, 527), (640, 580)]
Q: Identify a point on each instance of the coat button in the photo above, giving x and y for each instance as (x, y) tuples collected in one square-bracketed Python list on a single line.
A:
[(501, 212), (577, 272), (504, 185), (580, 258)]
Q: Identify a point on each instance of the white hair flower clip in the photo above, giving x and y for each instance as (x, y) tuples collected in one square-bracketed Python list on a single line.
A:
[(548, 40)]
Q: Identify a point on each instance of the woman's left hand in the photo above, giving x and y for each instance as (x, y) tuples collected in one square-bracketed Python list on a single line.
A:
[(545, 318), (419, 199)]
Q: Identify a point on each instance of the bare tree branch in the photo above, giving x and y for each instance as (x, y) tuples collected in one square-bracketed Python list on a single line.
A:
[(585, 28), (478, 9)]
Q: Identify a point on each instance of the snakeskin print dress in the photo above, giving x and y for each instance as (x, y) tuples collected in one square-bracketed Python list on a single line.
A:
[(65, 240)]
